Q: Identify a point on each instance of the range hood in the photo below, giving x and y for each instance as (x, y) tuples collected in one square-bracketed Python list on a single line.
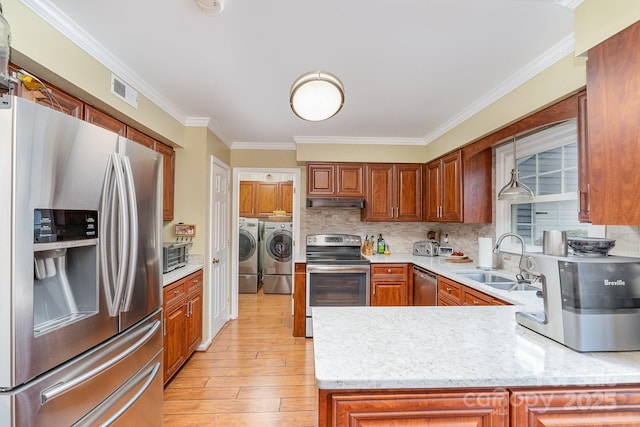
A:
[(334, 203)]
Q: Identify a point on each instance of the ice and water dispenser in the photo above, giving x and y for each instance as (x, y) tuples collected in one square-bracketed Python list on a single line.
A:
[(65, 265)]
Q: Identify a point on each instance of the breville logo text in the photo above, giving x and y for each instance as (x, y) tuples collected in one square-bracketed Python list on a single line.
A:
[(616, 283)]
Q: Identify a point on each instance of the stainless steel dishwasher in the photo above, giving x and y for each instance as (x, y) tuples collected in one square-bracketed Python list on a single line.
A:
[(425, 287)]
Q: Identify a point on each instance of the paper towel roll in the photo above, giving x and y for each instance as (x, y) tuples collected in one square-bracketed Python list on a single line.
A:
[(485, 252)]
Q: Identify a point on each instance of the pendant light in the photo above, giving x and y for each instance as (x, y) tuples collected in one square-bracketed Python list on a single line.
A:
[(316, 96), (515, 189)]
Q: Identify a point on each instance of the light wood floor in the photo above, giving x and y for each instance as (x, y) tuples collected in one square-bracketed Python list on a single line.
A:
[(255, 373)]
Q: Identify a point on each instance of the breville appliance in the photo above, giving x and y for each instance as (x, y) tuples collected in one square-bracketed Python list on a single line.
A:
[(337, 274), (590, 303), (80, 234), (277, 264), (248, 255), (174, 255), (426, 248)]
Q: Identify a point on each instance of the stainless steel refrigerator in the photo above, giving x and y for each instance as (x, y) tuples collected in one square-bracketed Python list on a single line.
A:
[(80, 273)]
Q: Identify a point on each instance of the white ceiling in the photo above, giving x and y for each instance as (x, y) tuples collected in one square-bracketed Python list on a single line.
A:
[(412, 69)]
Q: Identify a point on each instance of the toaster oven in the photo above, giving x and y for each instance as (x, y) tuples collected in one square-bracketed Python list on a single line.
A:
[(174, 255)]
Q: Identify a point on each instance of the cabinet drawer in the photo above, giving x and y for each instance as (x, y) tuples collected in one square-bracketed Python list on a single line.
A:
[(450, 288), (174, 292), (389, 270), (193, 282), (472, 297)]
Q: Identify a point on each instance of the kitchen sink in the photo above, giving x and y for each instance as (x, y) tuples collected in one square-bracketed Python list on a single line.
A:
[(496, 281), (484, 278), (512, 286)]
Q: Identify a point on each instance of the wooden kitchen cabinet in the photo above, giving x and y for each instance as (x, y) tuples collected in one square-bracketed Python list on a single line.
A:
[(98, 118), (258, 199), (393, 192), (247, 195), (62, 102), (451, 292), (613, 84), (390, 284), (335, 180), (444, 189), (583, 159), (299, 299), (182, 320), (575, 407), (168, 179), (362, 408), (141, 138)]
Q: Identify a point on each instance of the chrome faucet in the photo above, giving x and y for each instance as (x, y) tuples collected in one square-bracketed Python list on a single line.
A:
[(496, 249)]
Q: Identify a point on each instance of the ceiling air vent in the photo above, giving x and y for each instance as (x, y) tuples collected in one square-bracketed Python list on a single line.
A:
[(123, 91)]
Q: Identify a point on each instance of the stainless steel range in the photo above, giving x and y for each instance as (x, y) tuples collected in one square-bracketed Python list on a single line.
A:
[(337, 274)]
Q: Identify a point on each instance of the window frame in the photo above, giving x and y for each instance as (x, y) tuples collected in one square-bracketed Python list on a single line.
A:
[(565, 132)]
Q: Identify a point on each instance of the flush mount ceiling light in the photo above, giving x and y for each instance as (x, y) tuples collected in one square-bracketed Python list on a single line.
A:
[(515, 189), (211, 7), (316, 96)]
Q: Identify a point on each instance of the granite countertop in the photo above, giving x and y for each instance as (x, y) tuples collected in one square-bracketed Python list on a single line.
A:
[(180, 273), (442, 347)]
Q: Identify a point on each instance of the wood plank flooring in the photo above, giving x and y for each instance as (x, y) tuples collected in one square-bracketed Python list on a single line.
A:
[(255, 373)]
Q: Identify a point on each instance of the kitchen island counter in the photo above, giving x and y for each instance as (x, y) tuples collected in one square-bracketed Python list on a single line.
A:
[(445, 347)]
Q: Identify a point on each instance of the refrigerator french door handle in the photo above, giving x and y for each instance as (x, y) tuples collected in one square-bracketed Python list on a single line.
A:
[(133, 234), (149, 374), (123, 231), (59, 389), (106, 243)]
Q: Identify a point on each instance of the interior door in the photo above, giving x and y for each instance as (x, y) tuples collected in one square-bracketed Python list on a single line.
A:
[(219, 278)]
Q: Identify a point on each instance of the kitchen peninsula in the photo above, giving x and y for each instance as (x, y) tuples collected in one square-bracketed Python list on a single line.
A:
[(463, 366)]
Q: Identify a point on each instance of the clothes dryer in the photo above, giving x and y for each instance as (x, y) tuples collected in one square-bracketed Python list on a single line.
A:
[(278, 264), (248, 255)]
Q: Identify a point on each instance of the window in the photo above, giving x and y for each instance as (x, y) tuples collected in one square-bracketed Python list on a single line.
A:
[(548, 164)]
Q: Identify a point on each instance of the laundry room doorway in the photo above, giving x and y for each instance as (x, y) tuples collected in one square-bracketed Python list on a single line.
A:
[(265, 231)]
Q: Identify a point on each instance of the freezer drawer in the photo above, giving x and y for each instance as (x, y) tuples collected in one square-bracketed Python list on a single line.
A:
[(123, 373)]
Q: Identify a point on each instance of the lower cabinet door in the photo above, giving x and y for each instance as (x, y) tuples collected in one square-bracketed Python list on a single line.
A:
[(579, 407), (419, 409), (194, 323), (174, 341)]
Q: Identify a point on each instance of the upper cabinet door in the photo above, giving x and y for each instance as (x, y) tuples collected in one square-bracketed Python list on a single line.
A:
[(444, 189), (97, 117), (285, 201), (321, 179), (349, 180), (247, 198), (613, 85), (408, 192), (168, 179), (379, 197), (140, 138)]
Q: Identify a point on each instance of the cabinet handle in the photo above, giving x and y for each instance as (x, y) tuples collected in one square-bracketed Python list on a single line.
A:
[(448, 290), (397, 212), (175, 292), (164, 326), (475, 302), (374, 288), (389, 271)]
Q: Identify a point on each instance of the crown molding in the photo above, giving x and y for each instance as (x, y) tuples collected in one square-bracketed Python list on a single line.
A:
[(263, 146), (357, 140), (541, 63), (201, 122)]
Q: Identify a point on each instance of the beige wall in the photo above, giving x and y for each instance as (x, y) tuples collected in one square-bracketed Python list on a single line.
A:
[(362, 153), (597, 20), (263, 159)]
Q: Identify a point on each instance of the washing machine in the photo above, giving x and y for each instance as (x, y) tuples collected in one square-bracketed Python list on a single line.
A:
[(277, 263), (248, 255)]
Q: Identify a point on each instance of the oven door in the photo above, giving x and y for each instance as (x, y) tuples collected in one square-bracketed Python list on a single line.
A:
[(336, 286)]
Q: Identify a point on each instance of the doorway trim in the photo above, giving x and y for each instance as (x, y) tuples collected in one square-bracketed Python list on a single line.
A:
[(237, 172)]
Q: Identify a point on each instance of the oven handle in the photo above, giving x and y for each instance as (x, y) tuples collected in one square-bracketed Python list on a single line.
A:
[(337, 269)]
